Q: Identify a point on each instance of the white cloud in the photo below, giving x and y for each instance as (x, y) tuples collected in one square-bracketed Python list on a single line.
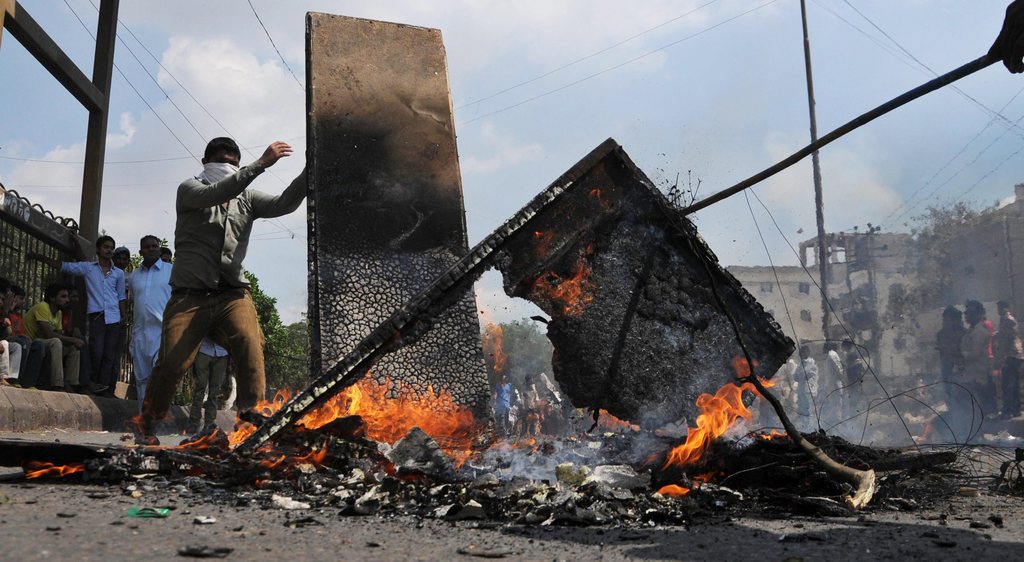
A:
[(126, 132), (854, 190), (502, 151)]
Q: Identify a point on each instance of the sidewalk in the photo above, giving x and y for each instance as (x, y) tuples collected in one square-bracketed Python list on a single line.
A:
[(31, 410)]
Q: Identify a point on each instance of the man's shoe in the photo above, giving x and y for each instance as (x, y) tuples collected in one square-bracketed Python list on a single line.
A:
[(143, 435), (145, 440), (97, 389)]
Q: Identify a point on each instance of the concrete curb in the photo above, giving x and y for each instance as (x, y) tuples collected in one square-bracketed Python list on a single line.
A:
[(31, 409)]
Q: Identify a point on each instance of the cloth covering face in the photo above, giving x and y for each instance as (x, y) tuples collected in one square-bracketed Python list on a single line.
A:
[(213, 172)]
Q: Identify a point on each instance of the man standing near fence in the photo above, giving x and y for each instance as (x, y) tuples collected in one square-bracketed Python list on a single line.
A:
[(150, 290), (105, 306)]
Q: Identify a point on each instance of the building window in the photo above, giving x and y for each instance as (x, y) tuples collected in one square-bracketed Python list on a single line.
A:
[(767, 287), (805, 288), (805, 315)]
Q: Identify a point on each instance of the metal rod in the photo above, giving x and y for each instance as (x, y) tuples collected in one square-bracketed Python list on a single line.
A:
[(926, 88)]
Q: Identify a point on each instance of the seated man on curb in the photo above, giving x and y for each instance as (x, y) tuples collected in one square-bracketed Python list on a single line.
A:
[(210, 295), (32, 351), (43, 322)]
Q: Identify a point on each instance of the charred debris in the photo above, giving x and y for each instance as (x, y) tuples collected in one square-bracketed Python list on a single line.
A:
[(646, 326)]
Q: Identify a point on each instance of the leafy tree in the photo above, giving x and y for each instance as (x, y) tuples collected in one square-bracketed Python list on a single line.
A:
[(286, 348), (939, 227), (526, 349)]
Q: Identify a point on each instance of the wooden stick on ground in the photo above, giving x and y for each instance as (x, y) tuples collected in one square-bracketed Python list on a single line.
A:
[(862, 480)]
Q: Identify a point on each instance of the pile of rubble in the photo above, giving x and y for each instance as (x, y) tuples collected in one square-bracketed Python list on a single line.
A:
[(611, 478)]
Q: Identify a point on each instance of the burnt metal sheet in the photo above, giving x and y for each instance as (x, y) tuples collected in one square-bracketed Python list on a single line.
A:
[(628, 282), (574, 225), (385, 207)]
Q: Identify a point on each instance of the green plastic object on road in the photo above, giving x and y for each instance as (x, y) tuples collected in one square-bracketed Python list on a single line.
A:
[(148, 512)]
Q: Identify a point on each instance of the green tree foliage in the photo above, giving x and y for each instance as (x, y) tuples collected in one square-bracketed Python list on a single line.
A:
[(939, 227), (526, 348), (286, 348)]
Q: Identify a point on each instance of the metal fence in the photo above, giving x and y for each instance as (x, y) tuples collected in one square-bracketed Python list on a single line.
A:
[(27, 228)]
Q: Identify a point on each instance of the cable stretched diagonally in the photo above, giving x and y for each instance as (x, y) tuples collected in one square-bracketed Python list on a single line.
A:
[(839, 320), (862, 480), (785, 305)]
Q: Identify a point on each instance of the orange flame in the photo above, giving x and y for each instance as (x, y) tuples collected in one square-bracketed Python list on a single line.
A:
[(542, 241), (389, 412), (575, 292), (34, 469), (599, 195), (718, 413), (609, 422), (773, 434), (493, 343), (205, 442), (673, 491), (265, 408)]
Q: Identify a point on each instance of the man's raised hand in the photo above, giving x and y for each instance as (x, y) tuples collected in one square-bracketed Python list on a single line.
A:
[(275, 152), (1009, 46)]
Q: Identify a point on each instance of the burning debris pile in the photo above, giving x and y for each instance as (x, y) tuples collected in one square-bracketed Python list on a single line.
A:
[(354, 463), (645, 326)]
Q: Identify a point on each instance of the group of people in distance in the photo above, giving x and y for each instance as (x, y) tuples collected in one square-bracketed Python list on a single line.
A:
[(980, 363), (42, 348), (195, 312)]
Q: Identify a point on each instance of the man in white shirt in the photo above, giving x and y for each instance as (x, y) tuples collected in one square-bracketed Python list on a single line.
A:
[(150, 290), (832, 397)]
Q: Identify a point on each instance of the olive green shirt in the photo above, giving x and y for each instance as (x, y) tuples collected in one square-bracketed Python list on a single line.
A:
[(209, 241)]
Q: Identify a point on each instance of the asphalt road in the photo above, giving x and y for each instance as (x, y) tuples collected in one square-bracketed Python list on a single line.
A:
[(63, 521)]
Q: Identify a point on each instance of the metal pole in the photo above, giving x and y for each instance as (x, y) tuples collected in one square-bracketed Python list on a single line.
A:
[(96, 137), (819, 206)]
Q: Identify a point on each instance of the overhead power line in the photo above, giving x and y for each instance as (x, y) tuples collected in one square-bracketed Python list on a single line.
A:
[(143, 161), (587, 57), (955, 88), (278, 51), (907, 202), (620, 65), (132, 86)]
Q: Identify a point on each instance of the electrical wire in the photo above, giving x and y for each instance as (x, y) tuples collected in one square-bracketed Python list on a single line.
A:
[(132, 86), (835, 315), (145, 161), (617, 66), (785, 305), (278, 51), (587, 57)]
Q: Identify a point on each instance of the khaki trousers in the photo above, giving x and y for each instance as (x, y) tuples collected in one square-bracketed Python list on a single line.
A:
[(228, 318), (61, 366)]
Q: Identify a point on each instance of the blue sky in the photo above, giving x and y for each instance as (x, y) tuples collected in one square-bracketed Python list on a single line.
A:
[(713, 88)]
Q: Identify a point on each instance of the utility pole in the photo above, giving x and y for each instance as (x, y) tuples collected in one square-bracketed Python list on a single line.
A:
[(819, 208)]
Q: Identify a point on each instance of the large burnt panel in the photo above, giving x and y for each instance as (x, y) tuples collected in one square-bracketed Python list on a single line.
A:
[(385, 205), (636, 326), (622, 273)]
